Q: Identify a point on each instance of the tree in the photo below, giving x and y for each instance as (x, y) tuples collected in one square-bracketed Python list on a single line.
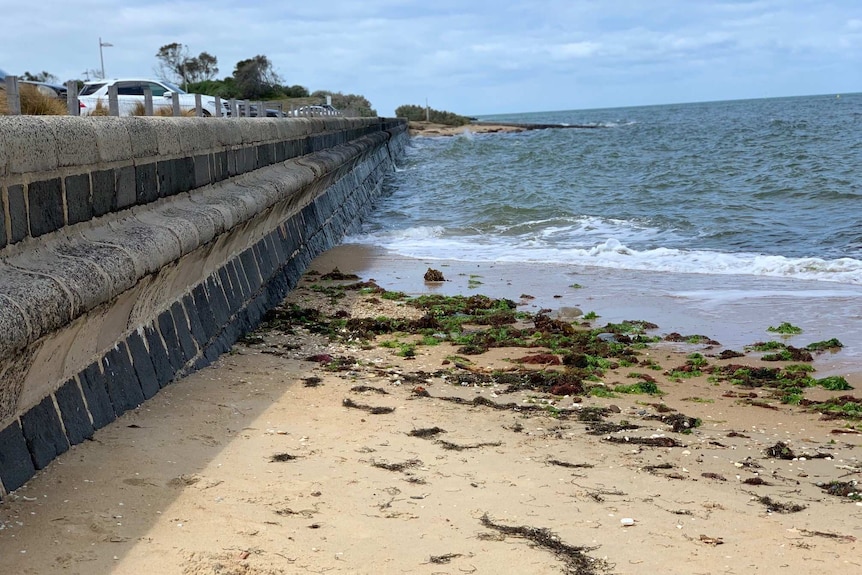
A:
[(295, 91), (418, 113), (255, 78), (355, 102), (172, 62), (201, 68), (175, 64), (43, 76)]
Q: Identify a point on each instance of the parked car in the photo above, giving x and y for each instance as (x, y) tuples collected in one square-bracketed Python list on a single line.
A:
[(270, 112), (51, 90), (130, 95), (315, 110)]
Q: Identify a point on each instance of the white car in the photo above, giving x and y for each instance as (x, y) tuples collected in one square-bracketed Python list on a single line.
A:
[(313, 110), (130, 96)]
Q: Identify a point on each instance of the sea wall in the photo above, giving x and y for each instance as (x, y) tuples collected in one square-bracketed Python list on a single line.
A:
[(134, 250)]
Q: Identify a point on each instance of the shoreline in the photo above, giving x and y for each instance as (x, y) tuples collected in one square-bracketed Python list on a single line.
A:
[(735, 310), (427, 129), (268, 462)]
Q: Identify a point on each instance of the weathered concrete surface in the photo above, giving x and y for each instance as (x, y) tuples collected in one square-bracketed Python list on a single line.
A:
[(204, 225)]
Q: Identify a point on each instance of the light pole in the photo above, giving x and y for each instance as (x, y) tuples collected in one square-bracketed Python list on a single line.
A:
[(101, 57)]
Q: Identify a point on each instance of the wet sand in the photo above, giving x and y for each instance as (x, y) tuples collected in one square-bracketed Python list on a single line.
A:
[(257, 465)]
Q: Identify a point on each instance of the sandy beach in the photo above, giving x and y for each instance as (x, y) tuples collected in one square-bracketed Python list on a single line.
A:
[(297, 453)]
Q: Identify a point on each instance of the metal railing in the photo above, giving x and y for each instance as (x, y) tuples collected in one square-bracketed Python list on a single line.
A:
[(223, 108)]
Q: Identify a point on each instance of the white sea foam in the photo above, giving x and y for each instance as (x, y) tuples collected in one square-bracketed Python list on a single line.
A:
[(431, 242)]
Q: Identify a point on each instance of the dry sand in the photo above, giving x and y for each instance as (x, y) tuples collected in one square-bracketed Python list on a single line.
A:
[(256, 466)]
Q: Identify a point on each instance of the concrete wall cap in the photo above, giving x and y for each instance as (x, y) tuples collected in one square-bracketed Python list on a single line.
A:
[(185, 232), (15, 328), (112, 138), (225, 132), (44, 302), (168, 136), (30, 144), (71, 136), (116, 265), (145, 140), (84, 282)]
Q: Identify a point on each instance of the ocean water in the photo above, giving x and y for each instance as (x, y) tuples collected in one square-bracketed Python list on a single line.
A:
[(721, 207), (767, 187)]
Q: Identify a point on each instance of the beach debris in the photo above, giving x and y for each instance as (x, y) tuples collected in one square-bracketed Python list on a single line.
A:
[(695, 339), (659, 467), (442, 559), (568, 465), (786, 328), (780, 451), (540, 359), (420, 391), (283, 457), (364, 388), (756, 481), (606, 427), (410, 463), (426, 432), (648, 441), (828, 345), (448, 445), (575, 559), (711, 540), (592, 413), (848, 489), (312, 382), (627, 521), (773, 506), (828, 535), (678, 422), (716, 476), (338, 275), (373, 410), (251, 339), (433, 275)]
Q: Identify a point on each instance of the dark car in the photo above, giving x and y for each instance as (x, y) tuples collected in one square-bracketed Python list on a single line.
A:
[(270, 112), (51, 90)]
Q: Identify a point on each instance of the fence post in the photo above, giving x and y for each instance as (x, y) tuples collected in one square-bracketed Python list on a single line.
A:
[(218, 111), (13, 98), (148, 101), (72, 98), (175, 104), (199, 109), (113, 101)]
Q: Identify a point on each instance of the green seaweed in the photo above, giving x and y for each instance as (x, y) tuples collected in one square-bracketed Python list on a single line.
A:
[(785, 329)]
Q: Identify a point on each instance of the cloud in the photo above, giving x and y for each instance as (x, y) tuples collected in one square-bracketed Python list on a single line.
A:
[(479, 56)]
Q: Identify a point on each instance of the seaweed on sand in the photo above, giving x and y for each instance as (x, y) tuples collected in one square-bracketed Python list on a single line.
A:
[(648, 441), (457, 447), (773, 506), (374, 410), (574, 558), (426, 432)]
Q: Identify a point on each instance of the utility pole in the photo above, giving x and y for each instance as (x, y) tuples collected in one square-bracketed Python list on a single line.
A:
[(101, 56)]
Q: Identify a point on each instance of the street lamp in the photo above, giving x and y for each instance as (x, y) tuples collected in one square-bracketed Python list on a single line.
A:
[(101, 57)]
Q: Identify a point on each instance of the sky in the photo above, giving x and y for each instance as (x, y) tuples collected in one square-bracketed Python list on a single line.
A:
[(471, 57)]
